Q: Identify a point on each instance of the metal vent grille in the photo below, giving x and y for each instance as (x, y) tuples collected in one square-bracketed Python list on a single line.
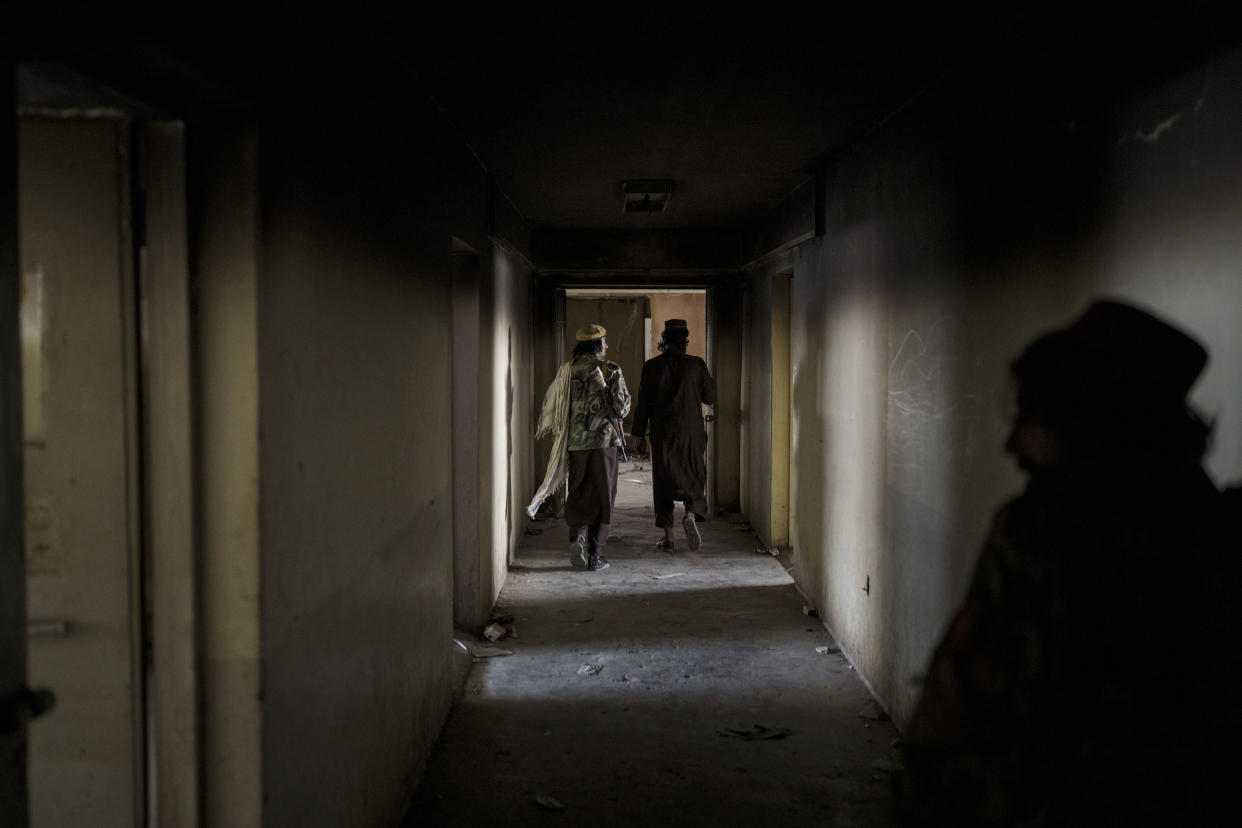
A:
[(645, 196)]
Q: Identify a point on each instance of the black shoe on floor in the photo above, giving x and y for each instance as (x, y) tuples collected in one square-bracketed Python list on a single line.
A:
[(578, 552), (665, 545), (597, 562), (692, 532)]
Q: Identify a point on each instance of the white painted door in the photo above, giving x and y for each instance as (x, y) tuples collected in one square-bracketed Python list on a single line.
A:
[(83, 587)]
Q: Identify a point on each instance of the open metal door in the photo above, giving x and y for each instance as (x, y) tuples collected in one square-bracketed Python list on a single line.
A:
[(82, 504), (709, 419)]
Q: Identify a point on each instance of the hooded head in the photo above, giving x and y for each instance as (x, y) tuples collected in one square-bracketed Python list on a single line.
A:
[(1113, 384)]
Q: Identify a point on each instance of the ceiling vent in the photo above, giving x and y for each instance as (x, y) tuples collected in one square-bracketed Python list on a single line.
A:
[(646, 196)]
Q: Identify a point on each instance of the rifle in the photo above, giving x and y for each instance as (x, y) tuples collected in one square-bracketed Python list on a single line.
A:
[(608, 415)]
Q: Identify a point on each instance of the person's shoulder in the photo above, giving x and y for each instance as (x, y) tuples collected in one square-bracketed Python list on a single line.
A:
[(614, 368)]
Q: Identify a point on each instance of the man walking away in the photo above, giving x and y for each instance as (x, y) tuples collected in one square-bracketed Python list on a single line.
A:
[(583, 410), (671, 395)]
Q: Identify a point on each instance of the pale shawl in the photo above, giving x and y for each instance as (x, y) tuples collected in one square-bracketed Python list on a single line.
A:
[(554, 421)]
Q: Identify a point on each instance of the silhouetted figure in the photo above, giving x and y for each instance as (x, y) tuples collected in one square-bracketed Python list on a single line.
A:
[(583, 410), (671, 395), (1089, 678)]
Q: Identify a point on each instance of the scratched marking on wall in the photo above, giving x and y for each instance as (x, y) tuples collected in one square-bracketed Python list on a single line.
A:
[(915, 375)]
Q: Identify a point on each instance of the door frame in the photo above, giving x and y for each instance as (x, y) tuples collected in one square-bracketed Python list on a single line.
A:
[(780, 488), (13, 712), (164, 606)]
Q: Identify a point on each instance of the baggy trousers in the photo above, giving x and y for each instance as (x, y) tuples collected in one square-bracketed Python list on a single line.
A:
[(591, 495)]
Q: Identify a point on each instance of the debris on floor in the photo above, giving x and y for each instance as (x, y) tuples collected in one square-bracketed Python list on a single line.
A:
[(478, 650), (828, 650), (499, 627), (669, 575), (809, 610), (756, 732), (494, 631), (873, 712), (590, 669), (531, 530), (887, 766), (548, 803)]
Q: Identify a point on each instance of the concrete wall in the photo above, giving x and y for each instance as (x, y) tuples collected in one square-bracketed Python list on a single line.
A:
[(505, 419), (991, 209), (356, 463)]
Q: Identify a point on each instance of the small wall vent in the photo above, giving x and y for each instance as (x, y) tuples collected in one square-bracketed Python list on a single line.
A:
[(645, 196)]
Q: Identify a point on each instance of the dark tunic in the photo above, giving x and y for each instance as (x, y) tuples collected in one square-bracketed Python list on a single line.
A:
[(1058, 695), (673, 389)]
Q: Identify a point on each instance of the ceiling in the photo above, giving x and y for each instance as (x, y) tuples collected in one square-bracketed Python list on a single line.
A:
[(735, 107), (736, 104)]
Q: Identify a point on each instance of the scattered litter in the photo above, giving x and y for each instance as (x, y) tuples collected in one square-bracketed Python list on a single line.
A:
[(499, 628), (873, 712), (586, 620), (625, 677), (478, 651), (669, 575), (634, 480), (589, 669), (807, 609), (828, 650), (759, 550), (887, 766), (548, 803), (756, 732), (637, 468), (530, 530)]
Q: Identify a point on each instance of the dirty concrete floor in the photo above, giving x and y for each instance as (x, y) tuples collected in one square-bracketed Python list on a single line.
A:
[(687, 644)]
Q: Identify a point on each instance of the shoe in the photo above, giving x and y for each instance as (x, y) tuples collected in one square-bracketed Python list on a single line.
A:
[(578, 552), (597, 562), (692, 532), (665, 545)]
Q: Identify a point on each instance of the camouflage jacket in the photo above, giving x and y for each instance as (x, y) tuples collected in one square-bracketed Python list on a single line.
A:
[(595, 386)]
